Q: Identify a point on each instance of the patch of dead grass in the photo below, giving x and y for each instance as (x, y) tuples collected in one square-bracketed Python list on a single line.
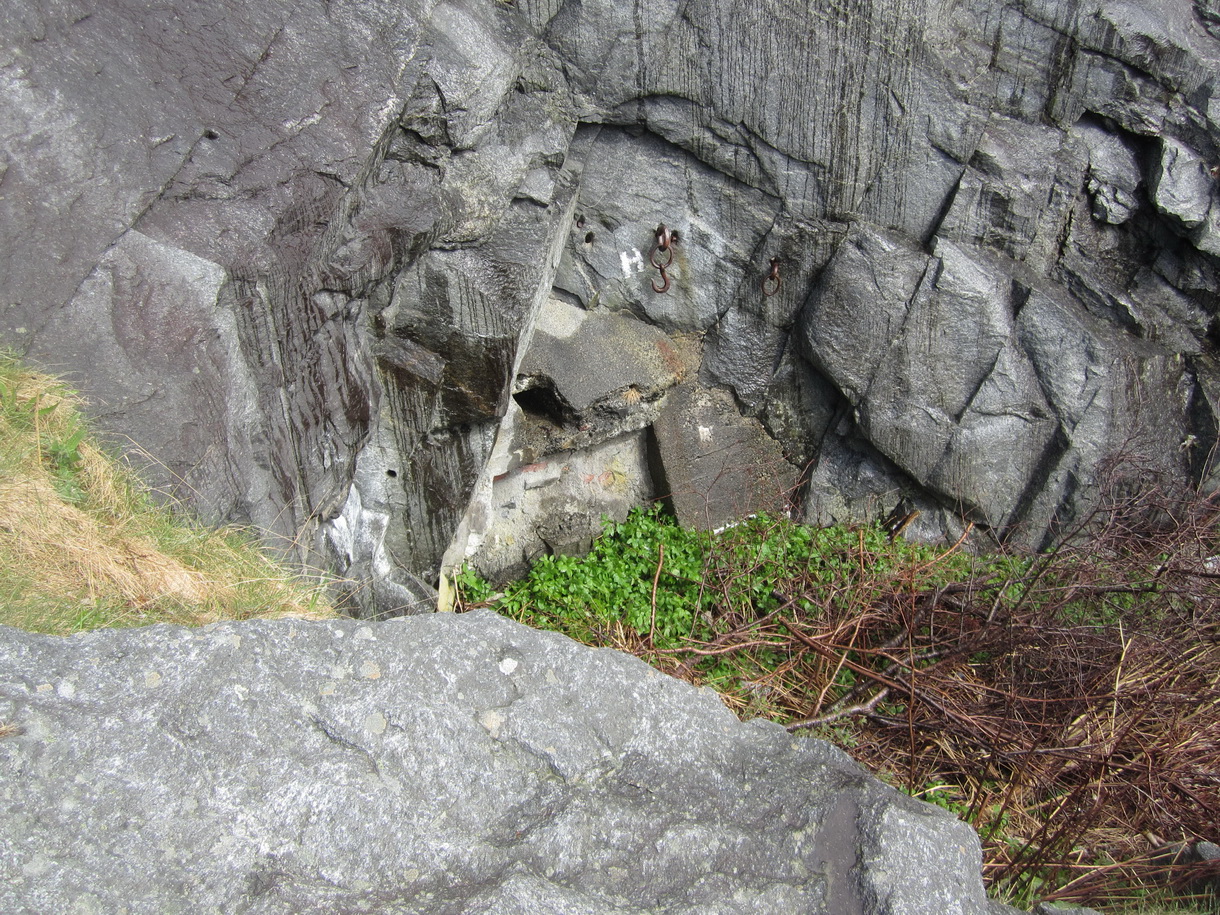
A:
[(76, 552), (82, 544)]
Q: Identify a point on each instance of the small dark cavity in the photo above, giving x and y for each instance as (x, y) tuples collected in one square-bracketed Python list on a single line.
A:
[(543, 401)]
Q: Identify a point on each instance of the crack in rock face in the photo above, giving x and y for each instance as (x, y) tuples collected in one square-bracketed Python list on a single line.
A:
[(377, 279)]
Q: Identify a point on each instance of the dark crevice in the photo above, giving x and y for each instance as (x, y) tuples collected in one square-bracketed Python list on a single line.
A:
[(540, 398), (662, 491)]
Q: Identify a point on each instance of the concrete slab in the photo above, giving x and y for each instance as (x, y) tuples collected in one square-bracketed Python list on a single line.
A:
[(555, 505), (591, 356), (716, 465)]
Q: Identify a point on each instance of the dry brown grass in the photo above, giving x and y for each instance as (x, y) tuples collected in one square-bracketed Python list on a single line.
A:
[(82, 545), (75, 551)]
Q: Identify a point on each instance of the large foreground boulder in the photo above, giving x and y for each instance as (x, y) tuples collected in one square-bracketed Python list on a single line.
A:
[(430, 764)]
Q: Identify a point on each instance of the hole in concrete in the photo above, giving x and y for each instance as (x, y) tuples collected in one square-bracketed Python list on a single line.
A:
[(541, 400), (391, 473)]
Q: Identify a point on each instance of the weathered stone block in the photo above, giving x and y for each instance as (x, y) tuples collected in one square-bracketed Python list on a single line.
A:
[(715, 465), (430, 764)]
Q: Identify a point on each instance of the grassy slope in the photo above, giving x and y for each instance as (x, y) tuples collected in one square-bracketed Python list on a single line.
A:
[(83, 545)]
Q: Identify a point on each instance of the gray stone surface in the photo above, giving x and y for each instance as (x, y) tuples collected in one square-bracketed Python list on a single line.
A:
[(425, 765), (956, 404), (168, 187), (572, 448), (715, 466), (582, 363), (1181, 186), (295, 252)]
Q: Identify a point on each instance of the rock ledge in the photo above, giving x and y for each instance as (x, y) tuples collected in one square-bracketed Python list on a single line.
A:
[(437, 763)]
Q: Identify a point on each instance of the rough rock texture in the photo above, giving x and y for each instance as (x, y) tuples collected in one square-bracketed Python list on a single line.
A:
[(1206, 884), (715, 466), (295, 251), (431, 764)]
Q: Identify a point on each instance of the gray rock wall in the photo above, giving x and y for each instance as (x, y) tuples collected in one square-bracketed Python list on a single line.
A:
[(432, 764), (295, 252)]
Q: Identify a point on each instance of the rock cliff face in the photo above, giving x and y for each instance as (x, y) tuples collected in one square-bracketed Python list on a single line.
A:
[(376, 276)]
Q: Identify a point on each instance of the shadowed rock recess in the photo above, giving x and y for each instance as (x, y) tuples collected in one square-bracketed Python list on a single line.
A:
[(431, 764), (377, 277)]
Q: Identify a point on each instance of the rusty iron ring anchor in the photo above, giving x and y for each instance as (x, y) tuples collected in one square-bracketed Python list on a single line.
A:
[(663, 239), (663, 242), (772, 277)]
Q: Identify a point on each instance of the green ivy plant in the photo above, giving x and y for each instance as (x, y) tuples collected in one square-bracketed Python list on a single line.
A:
[(671, 584)]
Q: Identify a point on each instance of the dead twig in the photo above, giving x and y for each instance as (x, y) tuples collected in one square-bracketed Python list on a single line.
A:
[(652, 622), (864, 708)]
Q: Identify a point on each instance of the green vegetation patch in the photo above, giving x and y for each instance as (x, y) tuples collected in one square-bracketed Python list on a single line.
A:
[(720, 608), (1066, 704)]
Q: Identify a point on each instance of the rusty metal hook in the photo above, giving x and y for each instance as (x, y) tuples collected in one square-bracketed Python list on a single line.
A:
[(664, 287), (772, 277), (663, 242), (663, 239)]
